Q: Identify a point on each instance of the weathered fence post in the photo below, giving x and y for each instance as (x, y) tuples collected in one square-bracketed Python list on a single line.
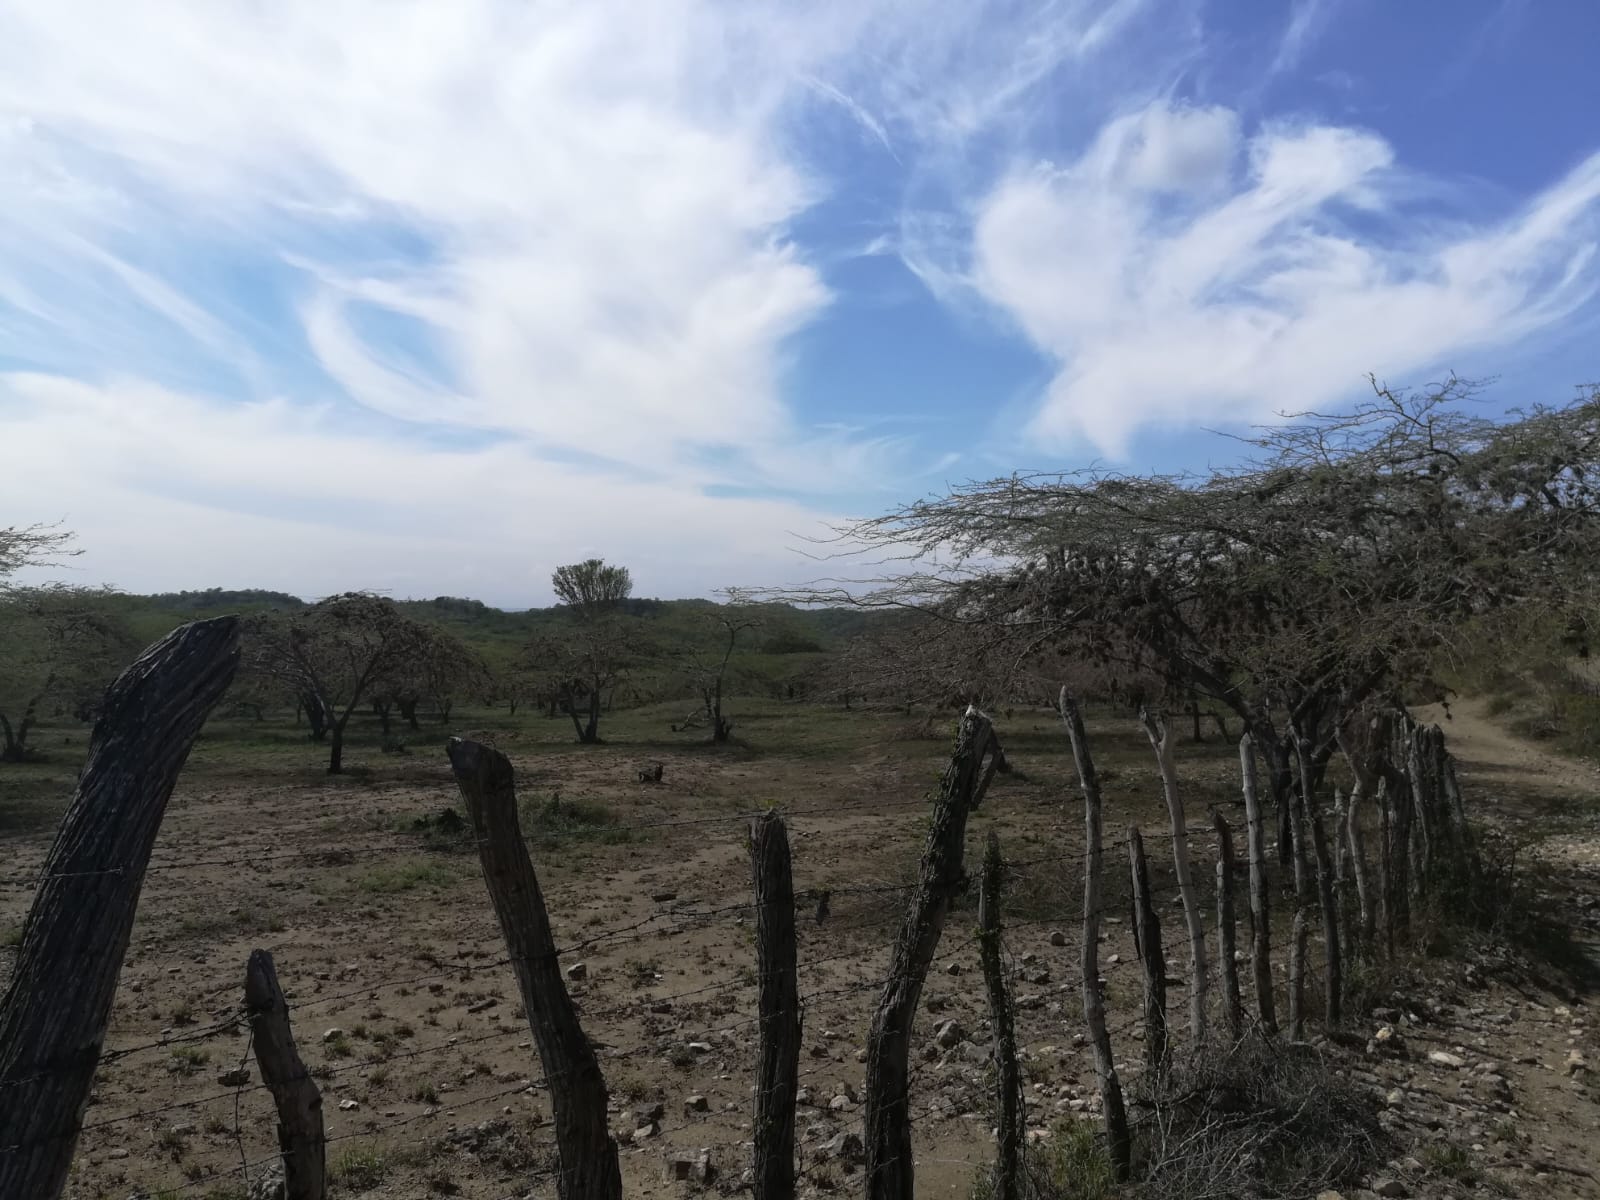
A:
[(299, 1103), (1227, 945), (587, 1152), (778, 1069), (1094, 1005), (889, 1167), (1156, 729), (1260, 923), (1147, 943), (1008, 1077), (53, 1017), (1333, 962)]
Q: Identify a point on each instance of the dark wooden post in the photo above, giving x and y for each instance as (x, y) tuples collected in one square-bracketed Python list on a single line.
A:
[(53, 1018), (889, 1168), (587, 1152), (1260, 923), (1147, 942), (1008, 1077), (778, 1063), (294, 1092), (1227, 945), (1161, 742), (1333, 963), (1094, 1004)]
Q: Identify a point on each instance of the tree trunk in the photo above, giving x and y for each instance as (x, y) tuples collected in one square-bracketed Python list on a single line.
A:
[(1094, 1004), (336, 747), (1147, 943), (591, 731), (1333, 972), (53, 1017), (1260, 914), (1008, 1078), (382, 711), (408, 713), (317, 715), (300, 1133), (778, 1070), (889, 1168), (1161, 742), (10, 748), (1227, 945), (587, 1153)]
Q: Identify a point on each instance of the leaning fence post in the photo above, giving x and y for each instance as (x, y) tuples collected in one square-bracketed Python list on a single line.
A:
[(1094, 1005), (1260, 927), (1156, 730), (300, 1133), (587, 1152), (1147, 943), (889, 1167), (1232, 1009), (53, 1017), (1008, 1078), (778, 1069)]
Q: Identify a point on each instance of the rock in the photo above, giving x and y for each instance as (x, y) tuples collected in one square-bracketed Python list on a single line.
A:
[(953, 969), (349, 1105), (700, 1047), (1330, 1195), (950, 1034), (1576, 1062), (839, 1104), (696, 1104), (1058, 938), (1395, 1098), (578, 971), (238, 1077), (1443, 1058), (845, 1146), (679, 1168), (646, 1131), (331, 1035), (269, 1185), (1389, 1187), (648, 1114)]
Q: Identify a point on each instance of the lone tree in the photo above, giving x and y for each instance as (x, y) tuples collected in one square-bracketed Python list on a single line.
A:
[(337, 651), (707, 667), (591, 661), (31, 546), (59, 648)]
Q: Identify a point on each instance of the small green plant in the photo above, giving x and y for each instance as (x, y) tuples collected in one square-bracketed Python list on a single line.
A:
[(550, 824), (379, 1077), (339, 1047), (11, 938), (425, 1093), (1451, 1161), (391, 878), (360, 1168), (188, 1060)]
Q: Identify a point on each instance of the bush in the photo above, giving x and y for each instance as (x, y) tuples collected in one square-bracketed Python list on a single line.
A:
[(549, 824)]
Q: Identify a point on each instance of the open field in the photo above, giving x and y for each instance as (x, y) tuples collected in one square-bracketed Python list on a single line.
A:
[(410, 1019)]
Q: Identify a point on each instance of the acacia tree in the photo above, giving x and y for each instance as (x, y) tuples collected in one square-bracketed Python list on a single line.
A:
[(441, 669), (1332, 566), (59, 648), (338, 650), (707, 669), (31, 546), (592, 659)]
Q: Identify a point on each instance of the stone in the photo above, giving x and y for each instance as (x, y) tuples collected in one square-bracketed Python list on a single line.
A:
[(648, 1114), (1443, 1058), (953, 969), (845, 1146), (269, 1184), (1058, 938), (679, 1168), (1329, 1195), (1576, 1062), (349, 1105), (700, 1047), (1395, 1098), (645, 1132), (332, 1035), (1391, 1188), (949, 1034), (238, 1077), (696, 1104), (578, 971), (839, 1104)]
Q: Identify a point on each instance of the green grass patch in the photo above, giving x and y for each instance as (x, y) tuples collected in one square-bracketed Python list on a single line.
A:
[(557, 822), (392, 878), (360, 1168)]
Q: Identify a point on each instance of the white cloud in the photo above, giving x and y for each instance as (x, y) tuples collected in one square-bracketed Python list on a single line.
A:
[(170, 491), (1278, 291)]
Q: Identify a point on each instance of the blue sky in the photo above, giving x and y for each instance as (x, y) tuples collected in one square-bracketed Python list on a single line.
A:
[(431, 297)]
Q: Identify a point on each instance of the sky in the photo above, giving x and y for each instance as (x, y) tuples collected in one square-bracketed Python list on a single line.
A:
[(429, 298)]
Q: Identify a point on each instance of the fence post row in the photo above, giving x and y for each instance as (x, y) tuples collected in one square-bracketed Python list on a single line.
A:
[(586, 1151), (778, 1063), (889, 1167), (1094, 1005), (1008, 1077), (53, 1017), (301, 1138)]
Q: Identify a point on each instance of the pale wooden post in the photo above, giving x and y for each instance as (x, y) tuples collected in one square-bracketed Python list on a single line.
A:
[(1260, 922), (1161, 742)]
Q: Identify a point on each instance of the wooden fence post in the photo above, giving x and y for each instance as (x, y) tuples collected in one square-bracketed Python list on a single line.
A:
[(1147, 943), (299, 1103), (1008, 1077), (1227, 945), (1333, 961), (587, 1152), (1156, 729), (1094, 1005), (1365, 787), (778, 1069), (889, 1167), (1260, 923), (53, 1017)]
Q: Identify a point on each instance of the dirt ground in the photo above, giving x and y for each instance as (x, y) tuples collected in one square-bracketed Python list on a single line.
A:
[(410, 1019)]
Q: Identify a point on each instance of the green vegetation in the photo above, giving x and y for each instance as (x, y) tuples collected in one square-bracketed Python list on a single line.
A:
[(360, 1168), (403, 876), (555, 822)]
